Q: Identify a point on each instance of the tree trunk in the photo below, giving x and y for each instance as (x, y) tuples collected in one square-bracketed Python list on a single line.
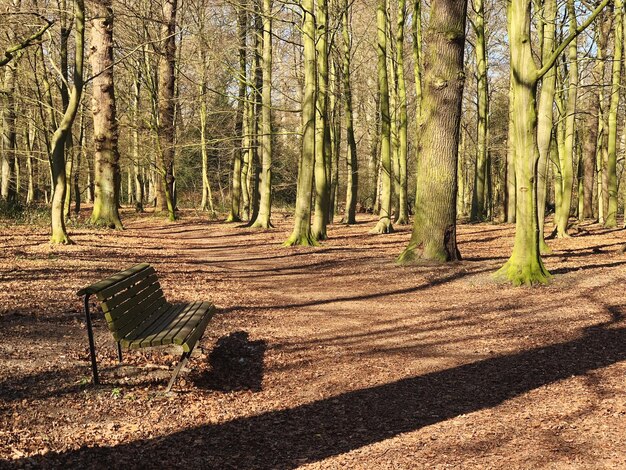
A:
[(384, 223), (525, 265), (242, 32), (166, 130), (352, 185), (9, 135), (322, 141), (59, 233), (402, 217), (105, 130), (611, 168), (301, 234), (567, 164), (263, 219), (479, 211), (545, 117), (434, 227)]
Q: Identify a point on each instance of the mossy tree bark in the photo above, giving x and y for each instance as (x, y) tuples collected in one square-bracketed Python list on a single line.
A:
[(384, 221), (322, 136), (351, 157), (525, 265), (8, 190), (618, 28), (479, 210), (263, 219), (167, 109), (545, 116), (301, 234), (434, 227), (402, 217), (255, 114), (236, 194), (510, 194), (105, 131), (567, 161), (57, 145)]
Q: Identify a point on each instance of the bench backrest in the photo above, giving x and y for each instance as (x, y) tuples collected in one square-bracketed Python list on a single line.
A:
[(131, 299)]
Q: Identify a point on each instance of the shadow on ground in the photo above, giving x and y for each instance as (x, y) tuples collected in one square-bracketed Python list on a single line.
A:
[(285, 439)]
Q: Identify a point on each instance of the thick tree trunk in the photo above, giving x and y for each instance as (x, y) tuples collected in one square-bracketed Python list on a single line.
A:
[(384, 223), (434, 227), (525, 265), (105, 130), (301, 234)]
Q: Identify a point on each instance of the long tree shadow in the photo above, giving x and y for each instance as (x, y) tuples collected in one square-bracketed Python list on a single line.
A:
[(285, 439)]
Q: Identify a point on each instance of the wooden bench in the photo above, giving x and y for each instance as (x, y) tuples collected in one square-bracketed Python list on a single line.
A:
[(138, 315)]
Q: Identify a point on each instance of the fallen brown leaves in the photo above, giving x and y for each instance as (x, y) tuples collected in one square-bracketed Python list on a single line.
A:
[(323, 358)]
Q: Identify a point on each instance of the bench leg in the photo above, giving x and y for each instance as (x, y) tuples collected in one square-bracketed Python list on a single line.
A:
[(183, 360), (119, 352), (92, 346)]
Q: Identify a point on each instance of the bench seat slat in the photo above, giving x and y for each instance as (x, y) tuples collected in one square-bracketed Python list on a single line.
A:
[(139, 315), (191, 340), (175, 325), (140, 338), (180, 334)]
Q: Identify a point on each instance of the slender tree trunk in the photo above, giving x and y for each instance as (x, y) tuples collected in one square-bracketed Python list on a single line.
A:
[(567, 165), (479, 211), (351, 156), (59, 233), (9, 135), (263, 219), (511, 181), (79, 159), (255, 167), (166, 129), (245, 160), (105, 130), (434, 227), (384, 223), (138, 175), (611, 168), (322, 141), (242, 32), (301, 234), (402, 121), (545, 116), (207, 197)]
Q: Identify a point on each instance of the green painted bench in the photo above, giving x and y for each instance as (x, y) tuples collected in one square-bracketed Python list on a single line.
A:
[(138, 315)]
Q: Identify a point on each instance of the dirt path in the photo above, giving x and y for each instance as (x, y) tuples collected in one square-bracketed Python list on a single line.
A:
[(332, 357)]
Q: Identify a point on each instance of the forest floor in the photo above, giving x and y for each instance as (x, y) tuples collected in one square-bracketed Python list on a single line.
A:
[(329, 357)]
